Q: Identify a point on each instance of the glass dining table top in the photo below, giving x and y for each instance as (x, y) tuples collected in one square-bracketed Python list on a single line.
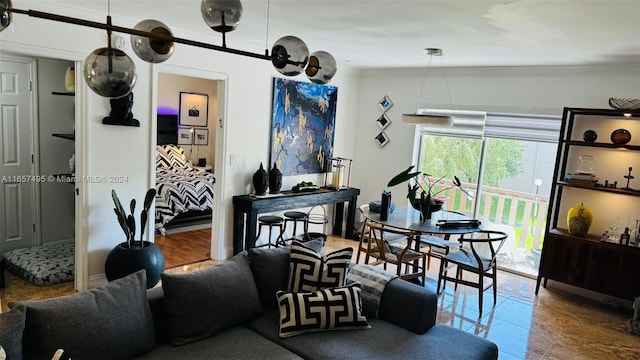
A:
[(404, 217)]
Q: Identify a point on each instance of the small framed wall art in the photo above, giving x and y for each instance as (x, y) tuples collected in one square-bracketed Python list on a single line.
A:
[(385, 103), (185, 136), (194, 109), (383, 121), (382, 139), (201, 137)]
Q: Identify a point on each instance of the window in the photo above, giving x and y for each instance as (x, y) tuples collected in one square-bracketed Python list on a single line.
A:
[(507, 161)]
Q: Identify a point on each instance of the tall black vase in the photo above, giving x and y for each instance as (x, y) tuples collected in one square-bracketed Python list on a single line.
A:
[(261, 181), (275, 180), (123, 261)]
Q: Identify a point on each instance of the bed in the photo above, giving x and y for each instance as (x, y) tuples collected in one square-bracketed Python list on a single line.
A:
[(180, 187)]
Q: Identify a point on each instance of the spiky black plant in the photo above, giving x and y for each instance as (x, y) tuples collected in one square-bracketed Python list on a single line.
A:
[(128, 222)]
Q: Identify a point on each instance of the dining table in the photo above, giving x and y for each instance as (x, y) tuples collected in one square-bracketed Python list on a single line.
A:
[(408, 218)]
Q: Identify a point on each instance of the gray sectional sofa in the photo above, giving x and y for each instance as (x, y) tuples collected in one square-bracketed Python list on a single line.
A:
[(229, 311)]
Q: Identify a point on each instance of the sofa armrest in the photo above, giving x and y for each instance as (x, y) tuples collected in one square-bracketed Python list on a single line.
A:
[(409, 306)]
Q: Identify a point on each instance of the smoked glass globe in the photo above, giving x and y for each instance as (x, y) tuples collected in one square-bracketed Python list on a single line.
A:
[(321, 68), (289, 55), (110, 72), (221, 15), (150, 49)]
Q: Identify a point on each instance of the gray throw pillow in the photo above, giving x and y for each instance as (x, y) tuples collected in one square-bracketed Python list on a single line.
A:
[(205, 302), (270, 268), (11, 328), (112, 321)]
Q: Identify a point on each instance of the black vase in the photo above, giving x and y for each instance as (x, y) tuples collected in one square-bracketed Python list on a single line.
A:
[(275, 180), (261, 181), (123, 261)]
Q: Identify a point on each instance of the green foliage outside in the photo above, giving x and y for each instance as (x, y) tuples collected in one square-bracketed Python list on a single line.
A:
[(454, 156)]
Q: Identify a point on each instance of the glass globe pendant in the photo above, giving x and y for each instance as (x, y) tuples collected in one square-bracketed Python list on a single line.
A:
[(221, 15), (150, 49), (5, 14), (110, 72), (289, 55), (321, 68)]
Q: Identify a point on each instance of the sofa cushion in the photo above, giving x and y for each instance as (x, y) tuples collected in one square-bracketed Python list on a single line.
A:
[(11, 331), (237, 342), (205, 302), (112, 321), (310, 271), (329, 309), (270, 268), (383, 341)]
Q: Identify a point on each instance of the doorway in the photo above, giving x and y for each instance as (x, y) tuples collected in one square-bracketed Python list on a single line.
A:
[(191, 235), (37, 201)]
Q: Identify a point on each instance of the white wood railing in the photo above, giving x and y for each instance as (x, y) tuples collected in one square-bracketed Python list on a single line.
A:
[(526, 213)]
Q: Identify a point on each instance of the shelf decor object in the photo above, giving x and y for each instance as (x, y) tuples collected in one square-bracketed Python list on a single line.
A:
[(624, 103), (620, 136), (590, 136), (579, 219)]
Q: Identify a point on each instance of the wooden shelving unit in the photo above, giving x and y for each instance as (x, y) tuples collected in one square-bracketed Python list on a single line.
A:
[(589, 262)]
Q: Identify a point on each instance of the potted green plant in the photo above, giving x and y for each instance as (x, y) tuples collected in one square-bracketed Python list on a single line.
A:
[(133, 255), (420, 190)]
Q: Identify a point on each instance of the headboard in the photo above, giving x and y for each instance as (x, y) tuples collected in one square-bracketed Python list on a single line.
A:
[(167, 129)]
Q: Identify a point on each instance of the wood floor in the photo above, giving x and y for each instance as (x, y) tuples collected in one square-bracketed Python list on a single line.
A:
[(551, 325), (185, 248)]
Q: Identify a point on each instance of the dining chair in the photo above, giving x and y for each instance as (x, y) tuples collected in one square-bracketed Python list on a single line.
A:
[(366, 242), (472, 258), (396, 246)]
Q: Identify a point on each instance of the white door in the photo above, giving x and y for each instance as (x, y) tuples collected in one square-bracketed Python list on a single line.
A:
[(17, 185)]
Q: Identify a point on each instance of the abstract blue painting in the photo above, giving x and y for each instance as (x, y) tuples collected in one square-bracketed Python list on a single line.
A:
[(302, 126)]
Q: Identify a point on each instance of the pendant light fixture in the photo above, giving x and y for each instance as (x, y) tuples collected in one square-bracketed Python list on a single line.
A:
[(429, 119), (110, 72), (152, 50)]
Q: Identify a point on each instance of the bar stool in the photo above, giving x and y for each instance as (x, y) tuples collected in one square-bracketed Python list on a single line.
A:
[(317, 219), (295, 217), (271, 221)]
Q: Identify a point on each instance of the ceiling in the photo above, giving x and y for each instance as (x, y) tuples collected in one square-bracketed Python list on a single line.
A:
[(393, 34)]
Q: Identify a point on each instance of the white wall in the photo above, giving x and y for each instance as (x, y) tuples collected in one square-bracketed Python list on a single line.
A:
[(543, 90), (126, 151), (56, 116)]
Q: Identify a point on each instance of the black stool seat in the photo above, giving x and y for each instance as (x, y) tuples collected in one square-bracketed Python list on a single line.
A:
[(295, 214), (270, 219)]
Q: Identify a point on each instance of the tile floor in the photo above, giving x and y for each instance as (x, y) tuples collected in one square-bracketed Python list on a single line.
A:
[(552, 325)]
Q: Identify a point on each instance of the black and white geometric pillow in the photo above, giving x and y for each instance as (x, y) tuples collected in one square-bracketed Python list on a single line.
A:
[(310, 271), (170, 157), (329, 309)]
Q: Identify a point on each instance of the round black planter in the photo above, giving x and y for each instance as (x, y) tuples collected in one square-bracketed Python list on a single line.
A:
[(123, 261)]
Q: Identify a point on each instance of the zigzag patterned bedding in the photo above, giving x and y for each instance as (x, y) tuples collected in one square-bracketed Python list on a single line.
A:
[(180, 187)]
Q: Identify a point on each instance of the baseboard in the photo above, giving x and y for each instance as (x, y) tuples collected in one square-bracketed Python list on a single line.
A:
[(608, 300)]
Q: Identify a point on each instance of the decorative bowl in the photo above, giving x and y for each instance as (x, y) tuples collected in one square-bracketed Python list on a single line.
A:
[(624, 103)]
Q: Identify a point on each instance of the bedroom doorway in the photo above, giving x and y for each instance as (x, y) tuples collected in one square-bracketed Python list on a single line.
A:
[(185, 224)]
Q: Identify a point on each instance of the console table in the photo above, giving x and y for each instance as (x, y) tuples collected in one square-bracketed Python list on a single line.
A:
[(247, 207)]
